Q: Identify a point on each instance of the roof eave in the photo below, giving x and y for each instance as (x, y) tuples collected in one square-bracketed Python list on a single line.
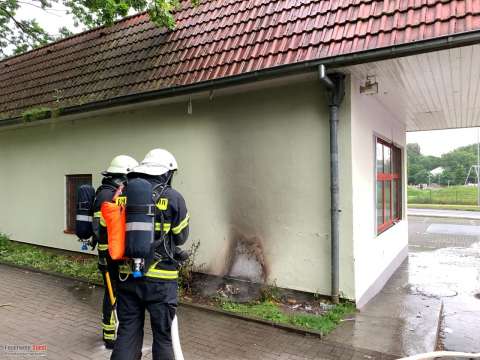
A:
[(396, 51)]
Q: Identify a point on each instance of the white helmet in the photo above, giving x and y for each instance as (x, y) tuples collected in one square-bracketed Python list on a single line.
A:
[(121, 164), (157, 162)]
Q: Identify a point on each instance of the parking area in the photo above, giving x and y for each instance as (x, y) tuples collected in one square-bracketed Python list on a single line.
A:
[(444, 263)]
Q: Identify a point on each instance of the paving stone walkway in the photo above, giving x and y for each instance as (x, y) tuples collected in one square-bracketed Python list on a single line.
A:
[(38, 309)]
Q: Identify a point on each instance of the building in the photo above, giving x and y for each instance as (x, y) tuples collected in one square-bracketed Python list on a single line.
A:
[(239, 93), (437, 171)]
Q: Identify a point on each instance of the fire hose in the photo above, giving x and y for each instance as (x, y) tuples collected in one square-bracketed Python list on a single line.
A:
[(177, 349)]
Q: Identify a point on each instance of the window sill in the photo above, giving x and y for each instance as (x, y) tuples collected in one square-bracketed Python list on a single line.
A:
[(69, 232), (388, 227)]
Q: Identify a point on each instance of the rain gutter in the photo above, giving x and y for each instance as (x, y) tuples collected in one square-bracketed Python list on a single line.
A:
[(441, 43)]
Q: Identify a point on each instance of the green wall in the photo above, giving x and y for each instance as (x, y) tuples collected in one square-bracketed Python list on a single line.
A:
[(254, 169)]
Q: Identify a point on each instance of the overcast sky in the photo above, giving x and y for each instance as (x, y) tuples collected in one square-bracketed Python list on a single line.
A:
[(50, 20), (442, 141)]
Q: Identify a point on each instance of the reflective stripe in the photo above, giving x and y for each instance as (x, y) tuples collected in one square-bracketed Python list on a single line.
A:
[(98, 215), (139, 226), (84, 218), (102, 247), (166, 226), (162, 274), (152, 272), (109, 336), (178, 229), (108, 327), (112, 318)]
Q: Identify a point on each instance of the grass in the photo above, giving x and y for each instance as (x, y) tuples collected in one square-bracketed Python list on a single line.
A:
[(48, 260), (85, 268), (268, 310), (445, 207), (453, 195)]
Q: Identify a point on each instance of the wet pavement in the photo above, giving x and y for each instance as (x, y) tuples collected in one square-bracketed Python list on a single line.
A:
[(61, 317), (445, 264), (400, 320), (443, 267)]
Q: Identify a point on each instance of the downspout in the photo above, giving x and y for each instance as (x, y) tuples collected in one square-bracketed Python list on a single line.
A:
[(335, 84)]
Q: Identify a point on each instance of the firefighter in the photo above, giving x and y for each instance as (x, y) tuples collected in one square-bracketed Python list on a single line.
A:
[(114, 179), (155, 288)]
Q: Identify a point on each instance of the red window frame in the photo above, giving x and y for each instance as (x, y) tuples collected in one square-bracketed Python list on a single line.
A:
[(390, 179)]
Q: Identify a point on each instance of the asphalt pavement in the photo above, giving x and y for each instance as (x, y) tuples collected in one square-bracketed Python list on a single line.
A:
[(444, 264), (443, 268)]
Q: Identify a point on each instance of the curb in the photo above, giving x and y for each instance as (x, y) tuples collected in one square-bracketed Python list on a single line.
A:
[(206, 308), (51, 273), (465, 217), (438, 340), (443, 216)]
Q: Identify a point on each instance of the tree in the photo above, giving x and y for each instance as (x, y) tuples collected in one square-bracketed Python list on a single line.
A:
[(17, 36), (419, 166), (414, 166), (421, 177), (413, 149), (456, 164)]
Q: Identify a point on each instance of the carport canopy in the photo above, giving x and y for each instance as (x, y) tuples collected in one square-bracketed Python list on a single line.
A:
[(429, 91)]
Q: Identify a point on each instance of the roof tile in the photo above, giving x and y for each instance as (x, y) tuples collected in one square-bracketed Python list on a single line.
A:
[(218, 38)]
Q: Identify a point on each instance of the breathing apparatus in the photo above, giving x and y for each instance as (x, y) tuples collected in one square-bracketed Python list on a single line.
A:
[(84, 217), (141, 213)]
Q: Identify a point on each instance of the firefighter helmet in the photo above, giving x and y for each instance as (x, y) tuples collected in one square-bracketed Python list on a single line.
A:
[(121, 164), (157, 162)]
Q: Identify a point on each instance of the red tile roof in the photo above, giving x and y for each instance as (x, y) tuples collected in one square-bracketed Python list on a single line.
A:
[(217, 39)]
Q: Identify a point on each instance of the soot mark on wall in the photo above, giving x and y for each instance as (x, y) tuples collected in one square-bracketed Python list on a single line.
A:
[(246, 258)]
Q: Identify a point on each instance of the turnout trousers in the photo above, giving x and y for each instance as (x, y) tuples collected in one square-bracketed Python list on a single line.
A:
[(134, 296), (108, 320)]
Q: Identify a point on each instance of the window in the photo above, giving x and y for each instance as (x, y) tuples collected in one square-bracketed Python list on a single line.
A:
[(73, 182), (388, 184)]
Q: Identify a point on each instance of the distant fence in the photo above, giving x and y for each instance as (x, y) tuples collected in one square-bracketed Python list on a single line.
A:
[(455, 195)]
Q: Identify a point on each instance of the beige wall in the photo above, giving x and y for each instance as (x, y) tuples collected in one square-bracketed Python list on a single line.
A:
[(253, 167), (376, 257)]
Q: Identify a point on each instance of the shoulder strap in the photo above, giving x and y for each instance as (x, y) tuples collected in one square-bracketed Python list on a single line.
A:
[(105, 186), (158, 191)]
